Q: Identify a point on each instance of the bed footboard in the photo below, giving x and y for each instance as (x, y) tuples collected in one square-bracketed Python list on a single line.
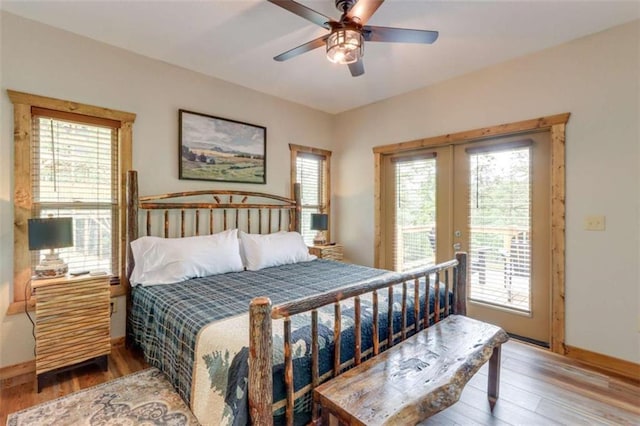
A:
[(452, 274)]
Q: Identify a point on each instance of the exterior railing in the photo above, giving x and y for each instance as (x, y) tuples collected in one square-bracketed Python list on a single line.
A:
[(499, 260)]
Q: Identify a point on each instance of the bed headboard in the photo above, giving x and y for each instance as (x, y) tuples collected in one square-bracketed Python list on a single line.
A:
[(185, 214)]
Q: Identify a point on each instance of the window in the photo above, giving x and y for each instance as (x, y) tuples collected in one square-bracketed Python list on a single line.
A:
[(310, 168), (74, 166), (70, 160)]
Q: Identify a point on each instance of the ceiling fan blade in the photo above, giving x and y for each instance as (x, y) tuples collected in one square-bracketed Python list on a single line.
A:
[(357, 68), (363, 9), (313, 44), (304, 12), (399, 35)]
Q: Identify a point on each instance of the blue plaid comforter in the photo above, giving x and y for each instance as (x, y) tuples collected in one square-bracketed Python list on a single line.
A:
[(165, 322)]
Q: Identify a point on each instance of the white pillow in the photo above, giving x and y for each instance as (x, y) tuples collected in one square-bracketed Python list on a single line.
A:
[(280, 248), (171, 260)]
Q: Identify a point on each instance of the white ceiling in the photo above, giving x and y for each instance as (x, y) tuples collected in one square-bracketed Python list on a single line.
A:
[(235, 40)]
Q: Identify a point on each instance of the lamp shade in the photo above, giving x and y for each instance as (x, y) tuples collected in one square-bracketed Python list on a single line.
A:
[(50, 233), (319, 221)]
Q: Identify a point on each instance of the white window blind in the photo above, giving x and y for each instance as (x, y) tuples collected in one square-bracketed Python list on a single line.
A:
[(415, 212), (309, 169), (75, 174), (500, 225)]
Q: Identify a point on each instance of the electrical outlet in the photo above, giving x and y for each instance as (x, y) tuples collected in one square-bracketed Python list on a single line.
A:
[(594, 223), (114, 306)]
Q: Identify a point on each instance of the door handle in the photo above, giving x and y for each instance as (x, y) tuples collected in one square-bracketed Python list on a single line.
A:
[(457, 246)]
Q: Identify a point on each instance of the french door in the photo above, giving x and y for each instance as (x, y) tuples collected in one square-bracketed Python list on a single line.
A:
[(491, 199), (415, 215), (501, 217)]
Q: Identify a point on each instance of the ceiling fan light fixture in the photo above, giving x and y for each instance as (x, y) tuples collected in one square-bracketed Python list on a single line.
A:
[(345, 46)]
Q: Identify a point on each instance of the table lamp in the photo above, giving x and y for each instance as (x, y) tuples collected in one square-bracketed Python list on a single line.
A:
[(320, 223), (50, 233)]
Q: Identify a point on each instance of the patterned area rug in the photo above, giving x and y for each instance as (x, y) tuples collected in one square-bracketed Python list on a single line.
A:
[(142, 398)]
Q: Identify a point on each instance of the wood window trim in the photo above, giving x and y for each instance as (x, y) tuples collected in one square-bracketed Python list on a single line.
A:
[(326, 174), (22, 131), (556, 124)]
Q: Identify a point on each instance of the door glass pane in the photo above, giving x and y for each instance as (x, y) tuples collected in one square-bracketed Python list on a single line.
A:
[(415, 213), (500, 228)]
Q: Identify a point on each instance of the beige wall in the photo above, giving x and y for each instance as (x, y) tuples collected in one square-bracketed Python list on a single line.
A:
[(596, 79), (45, 61)]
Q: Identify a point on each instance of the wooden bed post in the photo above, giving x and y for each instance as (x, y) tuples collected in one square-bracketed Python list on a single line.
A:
[(131, 233), (461, 284), (260, 362), (132, 216), (298, 212)]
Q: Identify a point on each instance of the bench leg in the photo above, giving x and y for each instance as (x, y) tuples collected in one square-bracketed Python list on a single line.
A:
[(325, 417), (494, 376)]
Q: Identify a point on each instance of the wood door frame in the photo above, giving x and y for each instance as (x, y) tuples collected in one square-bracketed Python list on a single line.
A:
[(556, 124)]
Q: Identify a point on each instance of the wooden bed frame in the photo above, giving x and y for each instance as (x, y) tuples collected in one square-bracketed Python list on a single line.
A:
[(218, 210)]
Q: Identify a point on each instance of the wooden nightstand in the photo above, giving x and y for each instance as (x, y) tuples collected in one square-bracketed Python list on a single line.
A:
[(73, 324), (332, 252)]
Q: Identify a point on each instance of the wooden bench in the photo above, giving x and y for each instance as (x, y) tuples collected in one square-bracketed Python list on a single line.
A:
[(416, 378)]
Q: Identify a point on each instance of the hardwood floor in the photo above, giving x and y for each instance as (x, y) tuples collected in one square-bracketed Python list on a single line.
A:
[(536, 388), (541, 388)]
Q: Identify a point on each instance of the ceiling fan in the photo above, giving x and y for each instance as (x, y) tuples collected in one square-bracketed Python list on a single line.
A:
[(345, 41)]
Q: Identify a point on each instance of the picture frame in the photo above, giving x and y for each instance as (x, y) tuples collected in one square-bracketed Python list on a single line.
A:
[(219, 149)]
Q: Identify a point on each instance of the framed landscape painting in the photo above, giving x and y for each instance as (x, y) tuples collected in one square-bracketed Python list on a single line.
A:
[(214, 148)]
